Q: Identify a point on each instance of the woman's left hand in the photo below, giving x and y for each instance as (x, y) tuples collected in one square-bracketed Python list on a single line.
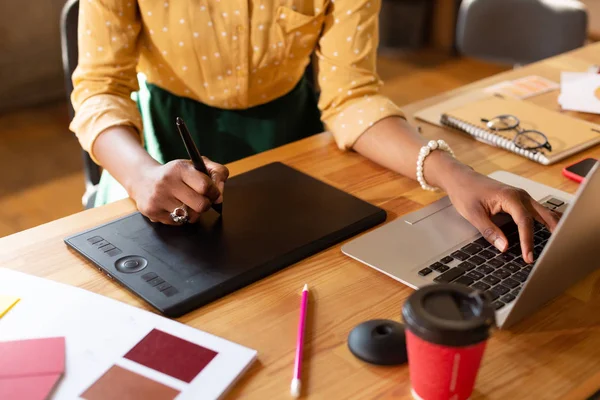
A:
[(477, 198)]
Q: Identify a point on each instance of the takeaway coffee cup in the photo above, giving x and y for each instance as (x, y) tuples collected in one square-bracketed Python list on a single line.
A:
[(447, 327)]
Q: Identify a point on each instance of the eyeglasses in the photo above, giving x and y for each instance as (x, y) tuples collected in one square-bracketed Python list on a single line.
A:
[(526, 139)]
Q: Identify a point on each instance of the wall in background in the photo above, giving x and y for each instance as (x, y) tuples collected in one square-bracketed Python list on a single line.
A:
[(30, 59), (594, 18)]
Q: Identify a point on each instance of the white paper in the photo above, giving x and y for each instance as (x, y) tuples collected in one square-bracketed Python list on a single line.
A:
[(580, 92), (569, 77), (99, 331)]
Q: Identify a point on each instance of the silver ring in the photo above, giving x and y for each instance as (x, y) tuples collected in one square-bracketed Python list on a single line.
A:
[(180, 215)]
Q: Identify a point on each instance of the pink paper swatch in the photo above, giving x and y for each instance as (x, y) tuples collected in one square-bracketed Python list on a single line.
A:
[(29, 369)]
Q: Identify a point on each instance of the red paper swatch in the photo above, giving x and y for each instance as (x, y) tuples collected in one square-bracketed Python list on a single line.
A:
[(171, 355)]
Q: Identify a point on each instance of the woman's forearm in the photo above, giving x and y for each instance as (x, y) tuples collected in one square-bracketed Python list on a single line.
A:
[(394, 144), (391, 142), (119, 151)]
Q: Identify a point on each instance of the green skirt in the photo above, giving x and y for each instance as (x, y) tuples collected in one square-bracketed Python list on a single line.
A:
[(221, 135)]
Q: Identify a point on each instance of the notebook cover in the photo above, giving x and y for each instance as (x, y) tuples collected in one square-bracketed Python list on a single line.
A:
[(433, 114), (567, 135)]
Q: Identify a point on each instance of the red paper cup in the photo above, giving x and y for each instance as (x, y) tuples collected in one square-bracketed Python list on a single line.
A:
[(442, 372), (447, 327)]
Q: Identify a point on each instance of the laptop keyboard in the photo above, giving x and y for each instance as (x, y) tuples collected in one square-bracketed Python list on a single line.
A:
[(483, 267)]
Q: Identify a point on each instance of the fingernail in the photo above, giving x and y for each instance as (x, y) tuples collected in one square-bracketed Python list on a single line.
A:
[(500, 244), (221, 186), (530, 257)]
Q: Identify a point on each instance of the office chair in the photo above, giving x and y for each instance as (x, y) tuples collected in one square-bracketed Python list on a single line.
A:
[(68, 33), (520, 32)]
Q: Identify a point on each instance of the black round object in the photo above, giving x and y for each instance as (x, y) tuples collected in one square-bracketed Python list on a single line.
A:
[(379, 341), (131, 264), (449, 315)]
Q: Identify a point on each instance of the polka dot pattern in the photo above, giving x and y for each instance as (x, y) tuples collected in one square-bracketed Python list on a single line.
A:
[(192, 49), (358, 115)]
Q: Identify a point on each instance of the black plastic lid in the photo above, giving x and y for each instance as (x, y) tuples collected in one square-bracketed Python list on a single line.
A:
[(379, 341), (449, 315)]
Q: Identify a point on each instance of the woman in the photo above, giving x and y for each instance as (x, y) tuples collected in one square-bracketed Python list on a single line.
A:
[(233, 70)]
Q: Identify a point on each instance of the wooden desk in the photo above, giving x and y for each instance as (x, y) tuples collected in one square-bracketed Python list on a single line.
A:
[(546, 356)]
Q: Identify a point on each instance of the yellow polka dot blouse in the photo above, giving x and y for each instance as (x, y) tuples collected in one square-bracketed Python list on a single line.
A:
[(230, 54)]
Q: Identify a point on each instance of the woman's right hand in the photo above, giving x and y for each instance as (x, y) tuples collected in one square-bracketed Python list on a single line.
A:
[(162, 188)]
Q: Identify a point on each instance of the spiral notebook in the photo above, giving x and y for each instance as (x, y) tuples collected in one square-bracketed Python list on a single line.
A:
[(567, 135)]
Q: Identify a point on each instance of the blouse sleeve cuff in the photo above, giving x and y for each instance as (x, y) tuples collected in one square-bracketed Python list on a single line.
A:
[(100, 112), (352, 121)]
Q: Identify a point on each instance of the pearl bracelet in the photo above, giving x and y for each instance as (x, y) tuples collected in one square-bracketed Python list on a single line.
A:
[(425, 151)]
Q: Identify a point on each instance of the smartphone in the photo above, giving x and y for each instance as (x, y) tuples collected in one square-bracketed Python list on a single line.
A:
[(580, 169)]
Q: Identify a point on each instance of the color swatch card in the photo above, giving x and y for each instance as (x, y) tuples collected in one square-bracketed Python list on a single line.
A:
[(523, 88), (177, 360), (171, 355), (121, 383), (116, 351), (29, 369)]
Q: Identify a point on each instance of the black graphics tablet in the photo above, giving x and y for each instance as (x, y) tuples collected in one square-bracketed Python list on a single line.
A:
[(273, 216)]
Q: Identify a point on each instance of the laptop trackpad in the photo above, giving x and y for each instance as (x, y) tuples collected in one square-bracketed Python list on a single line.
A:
[(425, 212), (442, 228), (399, 246), (440, 231)]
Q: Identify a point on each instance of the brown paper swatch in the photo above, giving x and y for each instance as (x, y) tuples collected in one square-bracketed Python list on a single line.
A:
[(120, 383)]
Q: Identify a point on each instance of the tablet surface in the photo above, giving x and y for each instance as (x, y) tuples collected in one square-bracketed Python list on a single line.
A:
[(273, 216)]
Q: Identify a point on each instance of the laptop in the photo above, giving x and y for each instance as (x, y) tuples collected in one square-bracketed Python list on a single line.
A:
[(436, 244)]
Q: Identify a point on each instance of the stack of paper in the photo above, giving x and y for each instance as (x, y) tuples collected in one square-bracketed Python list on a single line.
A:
[(580, 91), (104, 349)]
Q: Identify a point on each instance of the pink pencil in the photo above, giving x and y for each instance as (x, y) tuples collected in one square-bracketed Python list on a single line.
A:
[(295, 388)]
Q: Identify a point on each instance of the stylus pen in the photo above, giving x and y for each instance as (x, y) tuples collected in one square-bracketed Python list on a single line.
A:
[(295, 387), (194, 154)]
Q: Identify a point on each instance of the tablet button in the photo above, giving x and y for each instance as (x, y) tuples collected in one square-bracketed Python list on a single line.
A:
[(94, 239), (170, 291), (149, 276), (114, 252), (163, 286), (101, 243), (131, 264), (156, 281)]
